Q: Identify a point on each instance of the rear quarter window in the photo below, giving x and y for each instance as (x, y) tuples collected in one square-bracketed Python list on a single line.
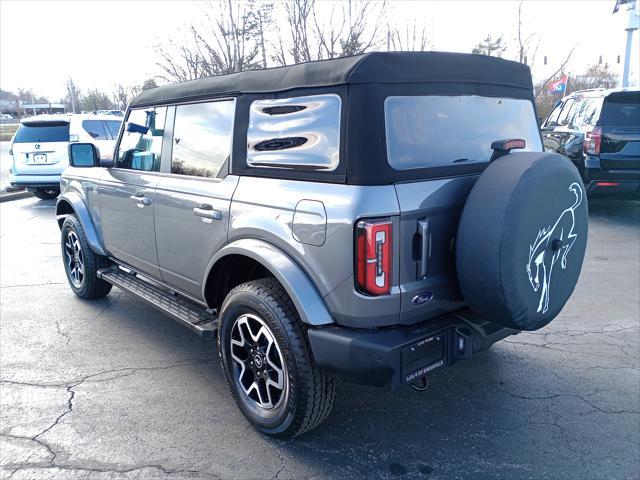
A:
[(435, 131), (300, 133), (42, 132)]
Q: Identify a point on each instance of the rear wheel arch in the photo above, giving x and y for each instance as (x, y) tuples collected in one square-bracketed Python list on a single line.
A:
[(250, 259)]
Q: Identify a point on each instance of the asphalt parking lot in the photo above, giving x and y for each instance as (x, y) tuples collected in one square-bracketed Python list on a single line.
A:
[(112, 389)]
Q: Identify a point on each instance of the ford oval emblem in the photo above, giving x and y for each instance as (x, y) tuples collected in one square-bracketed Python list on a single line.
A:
[(422, 298)]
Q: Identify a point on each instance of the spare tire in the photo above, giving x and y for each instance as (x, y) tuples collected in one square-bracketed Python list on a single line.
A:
[(521, 239)]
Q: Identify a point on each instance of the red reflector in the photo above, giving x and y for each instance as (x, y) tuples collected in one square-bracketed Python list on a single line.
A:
[(373, 256), (607, 184)]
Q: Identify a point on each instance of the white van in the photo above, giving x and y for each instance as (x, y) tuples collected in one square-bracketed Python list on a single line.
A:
[(40, 147)]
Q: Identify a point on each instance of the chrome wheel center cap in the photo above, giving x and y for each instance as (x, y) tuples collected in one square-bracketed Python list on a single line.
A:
[(257, 360)]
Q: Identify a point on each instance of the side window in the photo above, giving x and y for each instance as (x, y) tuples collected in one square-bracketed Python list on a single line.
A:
[(96, 129), (295, 133), (567, 110), (113, 126), (552, 119), (589, 112), (202, 138), (141, 142)]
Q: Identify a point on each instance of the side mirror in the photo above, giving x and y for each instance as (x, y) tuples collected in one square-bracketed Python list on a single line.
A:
[(83, 155)]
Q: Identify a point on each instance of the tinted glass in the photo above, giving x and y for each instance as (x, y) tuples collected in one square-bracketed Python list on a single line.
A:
[(588, 112), (552, 119), (113, 127), (42, 132), (141, 143), (622, 109), (202, 138), (96, 129), (436, 130), (567, 111)]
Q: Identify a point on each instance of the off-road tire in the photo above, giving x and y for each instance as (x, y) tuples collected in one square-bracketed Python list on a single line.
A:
[(91, 286), (311, 391), (46, 193)]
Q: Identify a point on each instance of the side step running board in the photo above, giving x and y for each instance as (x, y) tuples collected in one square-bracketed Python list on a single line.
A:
[(184, 311)]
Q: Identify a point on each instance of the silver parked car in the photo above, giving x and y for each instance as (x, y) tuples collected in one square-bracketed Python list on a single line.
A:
[(359, 218), (40, 147)]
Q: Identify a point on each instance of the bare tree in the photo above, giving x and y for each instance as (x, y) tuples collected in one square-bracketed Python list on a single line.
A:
[(412, 38), (348, 28), (542, 85), (121, 96), (491, 47), (72, 99), (227, 41), (525, 41)]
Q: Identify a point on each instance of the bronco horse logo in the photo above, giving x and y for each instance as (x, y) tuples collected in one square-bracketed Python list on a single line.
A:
[(552, 243)]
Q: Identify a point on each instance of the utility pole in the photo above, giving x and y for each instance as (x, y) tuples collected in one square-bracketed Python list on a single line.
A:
[(632, 25)]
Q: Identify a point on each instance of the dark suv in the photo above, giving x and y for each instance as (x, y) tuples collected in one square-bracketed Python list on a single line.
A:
[(599, 130), (360, 217)]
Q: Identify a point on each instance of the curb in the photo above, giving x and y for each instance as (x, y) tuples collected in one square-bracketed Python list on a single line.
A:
[(7, 197)]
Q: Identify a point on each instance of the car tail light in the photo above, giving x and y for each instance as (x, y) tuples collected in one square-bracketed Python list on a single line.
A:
[(373, 256), (592, 141), (607, 184), (74, 138)]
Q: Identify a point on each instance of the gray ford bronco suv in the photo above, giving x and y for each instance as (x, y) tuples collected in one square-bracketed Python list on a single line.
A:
[(372, 218)]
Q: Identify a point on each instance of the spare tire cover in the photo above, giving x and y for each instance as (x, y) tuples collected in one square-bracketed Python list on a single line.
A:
[(521, 239)]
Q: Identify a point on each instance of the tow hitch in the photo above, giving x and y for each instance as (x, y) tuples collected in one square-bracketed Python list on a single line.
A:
[(420, 385)]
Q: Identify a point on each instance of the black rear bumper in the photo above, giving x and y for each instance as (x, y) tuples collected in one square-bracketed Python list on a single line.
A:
[(396, 356), (600, 181)]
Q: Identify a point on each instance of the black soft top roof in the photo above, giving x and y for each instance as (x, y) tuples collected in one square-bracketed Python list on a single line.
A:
[(369, 68)]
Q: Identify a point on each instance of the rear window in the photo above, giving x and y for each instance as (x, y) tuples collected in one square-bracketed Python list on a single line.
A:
[(434, 131), (42, 132), (622, 109)]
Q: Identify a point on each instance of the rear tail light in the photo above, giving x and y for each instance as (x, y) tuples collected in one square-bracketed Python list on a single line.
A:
[(592, 141), (607, 184), (74, 138), (373, 256)]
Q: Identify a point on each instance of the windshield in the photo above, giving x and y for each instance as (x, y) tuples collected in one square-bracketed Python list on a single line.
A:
[(433, 131), (42, 132)]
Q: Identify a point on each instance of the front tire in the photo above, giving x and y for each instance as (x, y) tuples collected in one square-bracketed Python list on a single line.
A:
[(48, 193), (268, 363), (81, 264)]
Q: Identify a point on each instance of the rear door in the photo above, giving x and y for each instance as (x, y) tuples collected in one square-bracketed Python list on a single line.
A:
[(40, 147), (194, 193), (437, 131), (561, 134), (620, 123), (126, 192)]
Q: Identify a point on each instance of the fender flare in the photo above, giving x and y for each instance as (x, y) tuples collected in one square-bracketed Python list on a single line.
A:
[(77, 204), (295, 281)]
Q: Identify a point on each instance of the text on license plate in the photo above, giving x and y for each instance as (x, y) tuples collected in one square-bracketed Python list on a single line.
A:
[(40, 158)]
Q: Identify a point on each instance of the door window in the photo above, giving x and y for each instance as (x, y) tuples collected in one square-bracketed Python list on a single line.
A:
[(113, 126), (141, 144), (96, 129), (567, 110), (202, 138)]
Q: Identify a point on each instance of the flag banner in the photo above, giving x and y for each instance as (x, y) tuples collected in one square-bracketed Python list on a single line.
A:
[(559, 86)]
